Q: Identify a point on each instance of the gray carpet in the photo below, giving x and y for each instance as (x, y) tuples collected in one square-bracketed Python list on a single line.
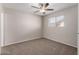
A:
[(39, 47)]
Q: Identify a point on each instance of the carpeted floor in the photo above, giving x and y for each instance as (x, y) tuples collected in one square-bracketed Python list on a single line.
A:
[(39, 47)]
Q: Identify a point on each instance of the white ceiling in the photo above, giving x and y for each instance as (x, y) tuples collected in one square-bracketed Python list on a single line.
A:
[(26, 7)]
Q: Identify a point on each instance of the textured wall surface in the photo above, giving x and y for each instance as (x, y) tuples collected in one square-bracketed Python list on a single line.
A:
[(20, 26)]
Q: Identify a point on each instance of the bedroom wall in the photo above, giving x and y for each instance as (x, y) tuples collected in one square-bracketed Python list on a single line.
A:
[(0, 29), (1, 26), (66, 34), (21, 26), (78, 30)]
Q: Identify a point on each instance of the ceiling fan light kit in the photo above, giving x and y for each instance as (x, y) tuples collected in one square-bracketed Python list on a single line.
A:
[(42, 10)]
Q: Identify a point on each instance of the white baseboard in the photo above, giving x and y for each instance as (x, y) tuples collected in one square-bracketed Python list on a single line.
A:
[(20, 41), (61, 42), (37, 38)]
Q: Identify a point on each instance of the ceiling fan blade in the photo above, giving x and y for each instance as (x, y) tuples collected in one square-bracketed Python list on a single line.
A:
[(35, 7), (46, 5), (36, 11), (41, 5), (49, 9)]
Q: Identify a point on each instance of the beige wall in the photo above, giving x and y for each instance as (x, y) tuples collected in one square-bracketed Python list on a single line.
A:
[(0, 28), (78, 29), (66, 34), (20, 26)]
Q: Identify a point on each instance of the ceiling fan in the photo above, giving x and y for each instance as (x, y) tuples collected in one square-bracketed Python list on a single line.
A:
[(43, 7)]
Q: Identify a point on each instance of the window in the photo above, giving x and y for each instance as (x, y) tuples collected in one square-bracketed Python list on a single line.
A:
[(60, 21), (51, 22), (56, 21), (59, 18)]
